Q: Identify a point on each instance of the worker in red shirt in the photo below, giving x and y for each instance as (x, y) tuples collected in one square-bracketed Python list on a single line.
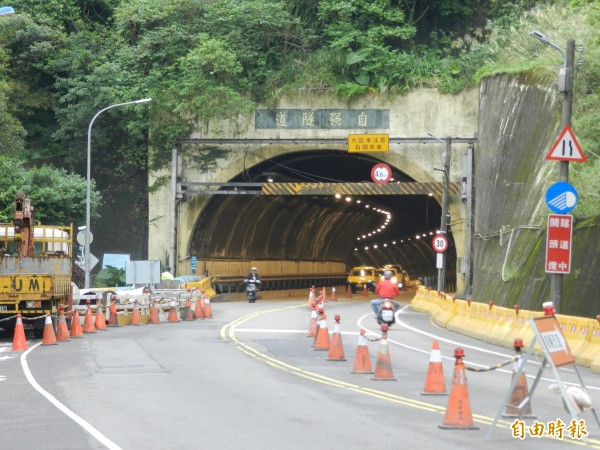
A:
[(386, 290)]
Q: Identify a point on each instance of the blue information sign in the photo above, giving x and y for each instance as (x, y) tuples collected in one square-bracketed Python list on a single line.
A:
[(561, 197), (193, 261)]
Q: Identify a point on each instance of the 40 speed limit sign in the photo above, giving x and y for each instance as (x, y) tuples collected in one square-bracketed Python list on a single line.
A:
[(440, 243)]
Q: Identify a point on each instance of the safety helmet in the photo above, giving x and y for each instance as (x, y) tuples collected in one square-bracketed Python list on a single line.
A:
[(253, 269), (387, 274)]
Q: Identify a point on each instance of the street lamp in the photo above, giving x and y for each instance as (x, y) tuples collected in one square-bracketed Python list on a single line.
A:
[(565, 85), (444, 221), (88, 234)]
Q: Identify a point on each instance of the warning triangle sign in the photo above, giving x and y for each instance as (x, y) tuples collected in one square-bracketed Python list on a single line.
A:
[(566, 148)]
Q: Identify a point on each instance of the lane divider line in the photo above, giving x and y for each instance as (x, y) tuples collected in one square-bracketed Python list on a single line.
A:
[(227, 333)]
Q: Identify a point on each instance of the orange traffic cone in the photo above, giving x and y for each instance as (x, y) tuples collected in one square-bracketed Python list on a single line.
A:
[(324, 291), (383, 368), (320, 314), (311, 297), (188, 313), (76, 331), (362, 360), (314, 320), (458, 412), (349, 292), (112, 316), (154, 319), (62, 331), (172, 317), (100, 319), (365, 293), (435, 383), (207, 308), (49, 337), (333, 295), (520, 392), (136, 315), (88, 320), (199, 310), (336, 350), (322, 339), (19, 341)]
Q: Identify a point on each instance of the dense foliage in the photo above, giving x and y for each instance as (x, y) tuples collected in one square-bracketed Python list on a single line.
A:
[(62, 62)]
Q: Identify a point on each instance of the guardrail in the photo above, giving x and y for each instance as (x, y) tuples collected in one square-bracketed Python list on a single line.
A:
[(235, 283)]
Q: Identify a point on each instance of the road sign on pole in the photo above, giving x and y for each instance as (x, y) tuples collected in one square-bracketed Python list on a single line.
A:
[(566, 148), (381, 173), (558, 243), (440, 243), (561, 197)]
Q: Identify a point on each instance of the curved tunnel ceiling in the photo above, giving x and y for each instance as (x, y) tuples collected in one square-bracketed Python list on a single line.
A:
[(318, 228)]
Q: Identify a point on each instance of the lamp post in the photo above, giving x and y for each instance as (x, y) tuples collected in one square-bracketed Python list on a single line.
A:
[(565, 85), (88, 233), (444, 220)]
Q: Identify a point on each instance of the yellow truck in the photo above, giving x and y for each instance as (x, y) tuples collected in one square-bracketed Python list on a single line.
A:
[(35, 269)]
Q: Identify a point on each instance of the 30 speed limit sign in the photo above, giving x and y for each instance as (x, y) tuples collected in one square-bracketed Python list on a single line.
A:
[(440, 243)]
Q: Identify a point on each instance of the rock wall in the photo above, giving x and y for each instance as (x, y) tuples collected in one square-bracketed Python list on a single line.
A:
[(518, 123)]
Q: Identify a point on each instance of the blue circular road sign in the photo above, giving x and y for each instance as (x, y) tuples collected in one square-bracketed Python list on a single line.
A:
[(561, 197)]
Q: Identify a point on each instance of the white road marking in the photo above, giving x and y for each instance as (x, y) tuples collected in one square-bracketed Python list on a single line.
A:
[(74, 417)]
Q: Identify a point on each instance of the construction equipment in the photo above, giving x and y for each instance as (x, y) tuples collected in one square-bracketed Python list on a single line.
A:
[(35, 269)]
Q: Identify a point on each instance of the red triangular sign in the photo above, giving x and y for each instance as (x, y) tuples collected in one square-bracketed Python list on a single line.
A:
[(566, 148)]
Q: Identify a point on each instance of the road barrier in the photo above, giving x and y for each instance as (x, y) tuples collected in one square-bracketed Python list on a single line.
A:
[(499, 325)]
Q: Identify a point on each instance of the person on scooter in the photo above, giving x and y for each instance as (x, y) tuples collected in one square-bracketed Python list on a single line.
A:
[(386, 290), (253, 278)]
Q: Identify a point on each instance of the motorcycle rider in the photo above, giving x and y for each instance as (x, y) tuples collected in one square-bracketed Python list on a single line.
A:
[(386, 290), (253, 278)]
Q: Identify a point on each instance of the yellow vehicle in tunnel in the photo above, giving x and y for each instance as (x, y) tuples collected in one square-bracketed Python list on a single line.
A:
[(399, 275), (362, 276)]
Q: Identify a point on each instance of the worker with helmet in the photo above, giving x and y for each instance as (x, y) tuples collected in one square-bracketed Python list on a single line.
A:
[(386, 290)]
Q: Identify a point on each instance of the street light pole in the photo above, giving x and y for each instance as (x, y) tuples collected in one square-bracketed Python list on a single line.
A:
[(88, 233), (565, 85), (444, 220)]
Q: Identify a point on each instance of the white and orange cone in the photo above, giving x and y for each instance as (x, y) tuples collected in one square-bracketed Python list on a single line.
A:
[(336, 349), (383, 368), (49, 337), (362, 360), (435, 383), (19, 341)]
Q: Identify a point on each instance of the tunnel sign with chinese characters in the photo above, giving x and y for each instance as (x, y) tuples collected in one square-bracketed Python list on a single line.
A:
[(558, 243)]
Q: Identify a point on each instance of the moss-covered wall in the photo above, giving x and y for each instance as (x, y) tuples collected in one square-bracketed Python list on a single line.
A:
[(518, 123)]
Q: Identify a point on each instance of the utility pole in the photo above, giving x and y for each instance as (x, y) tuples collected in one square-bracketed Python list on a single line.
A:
[(444, 222)]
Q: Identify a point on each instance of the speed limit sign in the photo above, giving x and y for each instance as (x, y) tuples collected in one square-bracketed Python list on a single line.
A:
[(440, 243)]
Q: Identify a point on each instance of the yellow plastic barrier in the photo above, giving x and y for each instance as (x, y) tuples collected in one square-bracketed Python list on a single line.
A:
[(502, 326)]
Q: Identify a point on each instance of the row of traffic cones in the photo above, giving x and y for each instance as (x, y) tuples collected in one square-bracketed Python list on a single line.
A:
[(458, 411), (202, 310), (322, 297)]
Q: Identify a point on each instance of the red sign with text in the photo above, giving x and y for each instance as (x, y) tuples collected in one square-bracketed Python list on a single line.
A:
[(558, 243)]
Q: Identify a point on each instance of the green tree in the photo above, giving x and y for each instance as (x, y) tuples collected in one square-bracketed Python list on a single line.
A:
[(59, 197)]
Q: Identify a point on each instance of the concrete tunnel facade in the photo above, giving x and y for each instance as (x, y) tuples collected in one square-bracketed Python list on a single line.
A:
[(316, 234)]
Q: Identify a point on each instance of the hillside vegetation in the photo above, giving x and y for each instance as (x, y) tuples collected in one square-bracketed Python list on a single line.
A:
[(61, 62)]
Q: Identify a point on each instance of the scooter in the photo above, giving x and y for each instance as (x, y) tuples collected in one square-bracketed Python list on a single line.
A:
[(251, 290), (387, 313)]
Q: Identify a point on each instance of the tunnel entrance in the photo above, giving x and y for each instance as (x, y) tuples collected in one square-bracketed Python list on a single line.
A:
[(340, 232)]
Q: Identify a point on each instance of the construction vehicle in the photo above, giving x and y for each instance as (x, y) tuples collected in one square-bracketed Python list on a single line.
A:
[(35, 269)]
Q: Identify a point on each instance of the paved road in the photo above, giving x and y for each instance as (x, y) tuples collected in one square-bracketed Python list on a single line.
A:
[(250, 378)]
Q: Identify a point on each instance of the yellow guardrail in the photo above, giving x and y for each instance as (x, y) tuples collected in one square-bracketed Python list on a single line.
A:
[(501, 326)]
